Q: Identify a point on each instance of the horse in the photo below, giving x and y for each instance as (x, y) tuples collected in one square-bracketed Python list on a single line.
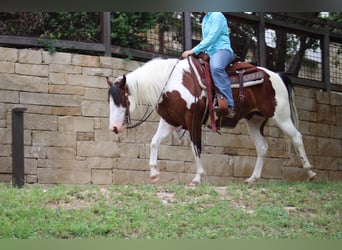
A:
[(174, 89)]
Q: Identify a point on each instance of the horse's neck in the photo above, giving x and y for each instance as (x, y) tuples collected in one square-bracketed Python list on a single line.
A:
[(146, 83)]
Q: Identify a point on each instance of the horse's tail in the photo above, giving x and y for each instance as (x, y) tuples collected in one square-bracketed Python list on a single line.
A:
[(290, 90)]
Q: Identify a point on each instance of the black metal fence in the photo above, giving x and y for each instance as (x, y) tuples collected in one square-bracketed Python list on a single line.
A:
[(308, 49)]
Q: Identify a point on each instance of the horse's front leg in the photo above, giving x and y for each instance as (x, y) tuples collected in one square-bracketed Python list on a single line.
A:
[(164, 130)]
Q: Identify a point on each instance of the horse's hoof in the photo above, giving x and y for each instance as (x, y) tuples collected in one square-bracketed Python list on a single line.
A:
[(155, 178), (250, 181), (194, 183), (313, 177)]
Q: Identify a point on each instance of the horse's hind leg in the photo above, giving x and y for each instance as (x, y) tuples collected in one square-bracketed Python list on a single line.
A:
[(297, 140), (164, 130), (254, 126)]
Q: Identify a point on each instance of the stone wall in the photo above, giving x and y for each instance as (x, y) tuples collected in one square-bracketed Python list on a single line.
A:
[(67, 139)]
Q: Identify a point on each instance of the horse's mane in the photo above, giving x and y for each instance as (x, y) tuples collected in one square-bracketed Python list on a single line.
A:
[(147, 82)]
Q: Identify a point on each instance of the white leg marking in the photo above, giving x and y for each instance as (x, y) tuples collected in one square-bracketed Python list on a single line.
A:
[(261, 147), (199, 167), (164, 130)]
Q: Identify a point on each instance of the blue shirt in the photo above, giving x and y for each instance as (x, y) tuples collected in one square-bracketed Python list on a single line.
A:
[(215, 34)]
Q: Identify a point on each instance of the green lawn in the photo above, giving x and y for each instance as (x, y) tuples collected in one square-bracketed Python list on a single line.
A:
[(266, 210)]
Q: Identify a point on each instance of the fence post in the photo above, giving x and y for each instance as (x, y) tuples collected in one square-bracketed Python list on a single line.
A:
[(187, 31), (106, 33), (18, 147), (261, 40), (326, 59)]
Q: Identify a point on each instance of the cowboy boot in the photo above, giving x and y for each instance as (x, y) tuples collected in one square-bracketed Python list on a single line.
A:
[(222, 109)]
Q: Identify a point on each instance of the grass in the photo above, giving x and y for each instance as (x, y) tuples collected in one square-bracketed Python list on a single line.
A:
[(266, 210)]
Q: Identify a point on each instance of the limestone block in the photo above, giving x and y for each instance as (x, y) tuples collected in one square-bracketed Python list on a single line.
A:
[(133, 164), (6, 135), (34, 109), (124, 177), (7, 67), (217, 165), (243, 166), (87, 81), (101, 163), (129, 150), (62, 163), (5, 165), (306, 103), (272, 168), (30, 166), (96, 94), (35, 152), (175, 153), (327, 163), (58, 78), (64, 68), (53, 139), (85, 60), (84, 136), (5, 150), (9, 54), (329, 147), (320, 129), (322, 97), (30, 56), (101, 176), (171, 166), (23, 83), (62, 153), (131, 65), (106, 135), (106, 62), (95, 108), (66, 89), (64, 175), (31, 69), (97, 149), (305, 115), (335, 99), (90, 71), (56, 58), (336, 132), (303, 91), (5, 178), (117, 63), (338, 115), (50, 99), (31, 179), (76, 124), (40, 122), (294, 174), (66, 111), (326, 114)]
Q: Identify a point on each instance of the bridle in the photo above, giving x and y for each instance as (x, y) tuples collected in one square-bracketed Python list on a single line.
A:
[(147, 113)]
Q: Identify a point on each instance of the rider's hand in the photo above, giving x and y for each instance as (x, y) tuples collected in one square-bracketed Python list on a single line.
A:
[(187, 53)]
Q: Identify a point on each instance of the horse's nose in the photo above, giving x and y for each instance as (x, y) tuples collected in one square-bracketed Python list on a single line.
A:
[(115, 130)]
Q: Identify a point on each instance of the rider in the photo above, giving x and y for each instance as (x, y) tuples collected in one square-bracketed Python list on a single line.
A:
[(216, 43)]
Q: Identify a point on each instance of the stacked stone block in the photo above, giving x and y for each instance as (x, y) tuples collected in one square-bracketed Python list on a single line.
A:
[(67, 140)]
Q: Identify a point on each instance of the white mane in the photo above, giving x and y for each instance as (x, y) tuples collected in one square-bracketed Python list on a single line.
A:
[(147, 82)]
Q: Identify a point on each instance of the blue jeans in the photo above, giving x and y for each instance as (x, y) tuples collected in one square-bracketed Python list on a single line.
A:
[(218, 63)]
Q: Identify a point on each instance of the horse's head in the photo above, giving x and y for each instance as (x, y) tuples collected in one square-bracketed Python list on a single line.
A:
[(118, 104)]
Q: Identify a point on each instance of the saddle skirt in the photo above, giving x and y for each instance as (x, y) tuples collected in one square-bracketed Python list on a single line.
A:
[(251, 75)]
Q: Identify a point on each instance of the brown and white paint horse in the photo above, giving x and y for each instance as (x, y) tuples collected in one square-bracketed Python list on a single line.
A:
[(170, 87)]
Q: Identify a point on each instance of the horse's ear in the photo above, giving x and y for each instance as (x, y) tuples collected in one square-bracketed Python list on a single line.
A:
[(123, 81), (109, 81)]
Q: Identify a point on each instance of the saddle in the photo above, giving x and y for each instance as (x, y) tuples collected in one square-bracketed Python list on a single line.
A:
[(241, 74)]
